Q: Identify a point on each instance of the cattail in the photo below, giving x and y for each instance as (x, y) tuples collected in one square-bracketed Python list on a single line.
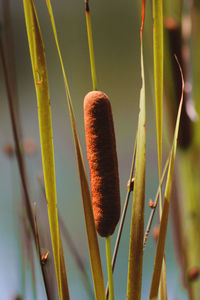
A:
[(173, 83), (102, 159)]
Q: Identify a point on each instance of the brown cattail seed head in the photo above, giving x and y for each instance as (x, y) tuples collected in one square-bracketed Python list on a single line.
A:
[(102, 159), (151, 203), (173, 94), (193, 273)]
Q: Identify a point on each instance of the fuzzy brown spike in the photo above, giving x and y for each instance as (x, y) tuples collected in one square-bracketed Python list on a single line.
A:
[(102, 158), (175, 46)]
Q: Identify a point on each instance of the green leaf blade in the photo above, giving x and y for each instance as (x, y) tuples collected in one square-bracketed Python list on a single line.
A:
[(134, 283), (158, 78), (158, 72), (45, 125)]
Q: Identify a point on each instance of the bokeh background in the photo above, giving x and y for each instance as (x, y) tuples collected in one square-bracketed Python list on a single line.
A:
[(116, 26)]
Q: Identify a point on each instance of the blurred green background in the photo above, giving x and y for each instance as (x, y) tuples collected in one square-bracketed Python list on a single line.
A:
[(116, 26)]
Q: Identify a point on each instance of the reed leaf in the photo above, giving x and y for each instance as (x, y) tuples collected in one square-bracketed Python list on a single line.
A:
[(95, 259), (164, 218), (134, 283), (158, 72), (46, 136), (158, 78)]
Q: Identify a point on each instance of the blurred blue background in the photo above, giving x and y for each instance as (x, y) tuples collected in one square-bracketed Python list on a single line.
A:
[(116, 26)]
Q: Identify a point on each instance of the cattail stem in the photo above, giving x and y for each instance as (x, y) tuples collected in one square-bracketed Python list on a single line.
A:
[(90, 44), (121, 225), (109, 268)]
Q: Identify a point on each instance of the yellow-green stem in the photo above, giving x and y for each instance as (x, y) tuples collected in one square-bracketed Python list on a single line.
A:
[(158, 75), (109, 268), (91, 48)]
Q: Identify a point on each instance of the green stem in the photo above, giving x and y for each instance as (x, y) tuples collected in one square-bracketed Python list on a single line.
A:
[(109, 268), (121, 225), (90, 44)]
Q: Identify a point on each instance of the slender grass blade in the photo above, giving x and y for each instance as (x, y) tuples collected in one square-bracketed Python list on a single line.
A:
[(134, 283), (158, 72), (45, 124), (158, 77)]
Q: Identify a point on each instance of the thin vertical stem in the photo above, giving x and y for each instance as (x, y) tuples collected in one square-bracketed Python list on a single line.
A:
[(121, 225), (109, 268), (158, 78), (90, 44)]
